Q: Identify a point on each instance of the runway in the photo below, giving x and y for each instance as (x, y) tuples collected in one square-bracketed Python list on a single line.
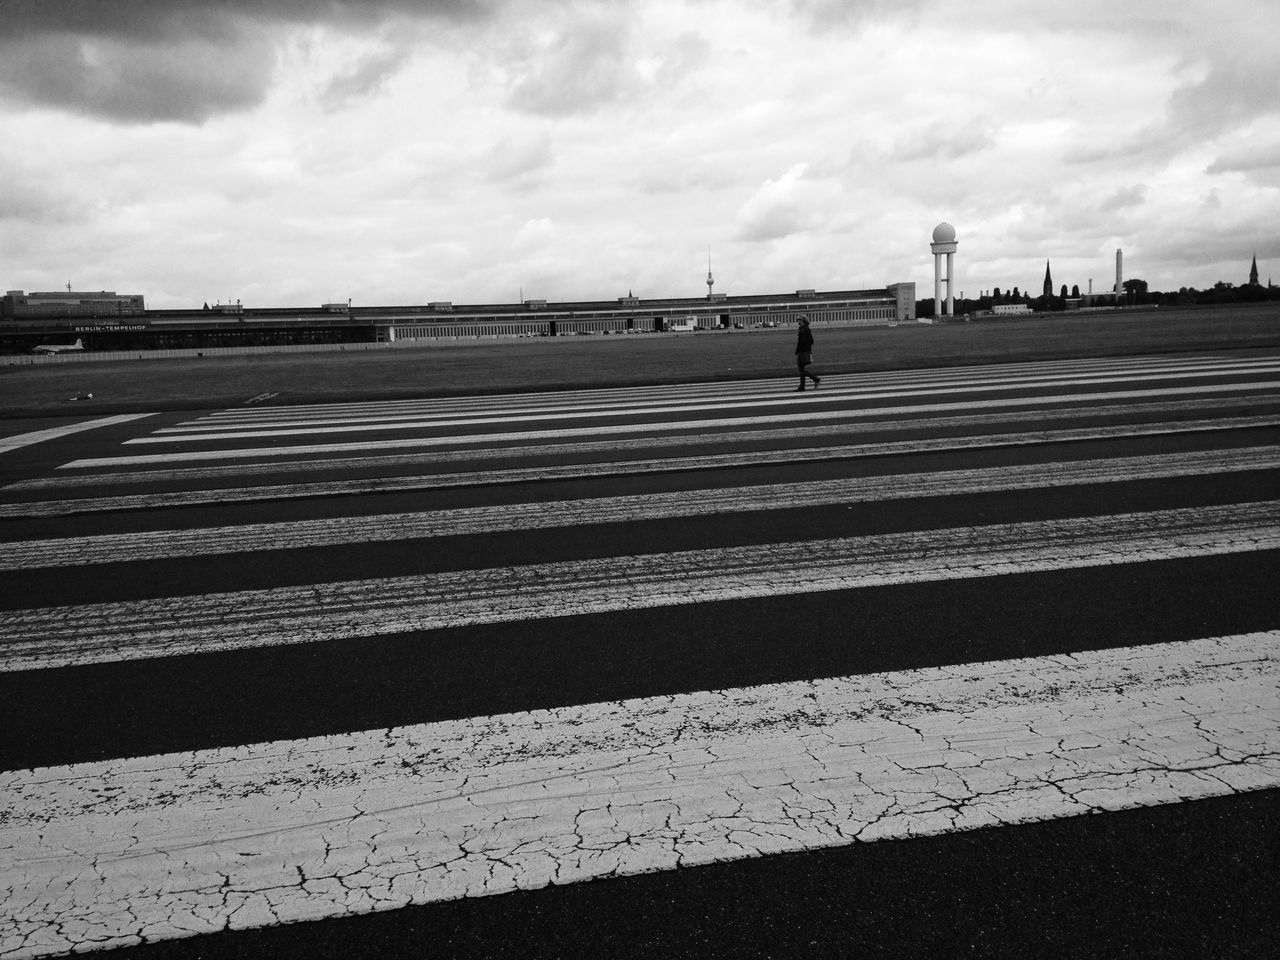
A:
[(304, 665)]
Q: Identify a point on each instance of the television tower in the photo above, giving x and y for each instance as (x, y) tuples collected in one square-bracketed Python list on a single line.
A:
[(710, 280)]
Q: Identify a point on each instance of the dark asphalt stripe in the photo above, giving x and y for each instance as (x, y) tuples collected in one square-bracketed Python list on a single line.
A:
[(133, 470), (635, 399), (287, 692), (482, 478), (616, 409), (167, 544), (53, 433), (71, 635)]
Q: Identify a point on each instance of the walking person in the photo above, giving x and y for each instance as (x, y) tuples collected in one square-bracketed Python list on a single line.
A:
[(804, 353)]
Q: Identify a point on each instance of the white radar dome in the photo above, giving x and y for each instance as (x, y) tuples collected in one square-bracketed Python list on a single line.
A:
[(944, 233)]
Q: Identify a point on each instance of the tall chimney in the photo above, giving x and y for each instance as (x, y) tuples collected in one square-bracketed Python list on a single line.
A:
[(1119, 274)]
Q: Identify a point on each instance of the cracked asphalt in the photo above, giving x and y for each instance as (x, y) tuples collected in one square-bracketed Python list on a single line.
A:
[(895, 681), (305, 830)]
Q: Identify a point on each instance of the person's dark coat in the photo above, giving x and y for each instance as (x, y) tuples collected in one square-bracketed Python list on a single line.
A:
[(804, 342)]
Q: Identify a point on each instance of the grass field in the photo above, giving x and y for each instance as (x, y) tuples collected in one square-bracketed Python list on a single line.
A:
[(465, 367)]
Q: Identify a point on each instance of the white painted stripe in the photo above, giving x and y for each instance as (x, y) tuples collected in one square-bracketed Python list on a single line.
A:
[(726, 397), (574, 471), (799, 419), (170, 435), (53, 433), (94, 633), (112, 853), (811, 431), (935, 376), (170, 544), (659, 392)]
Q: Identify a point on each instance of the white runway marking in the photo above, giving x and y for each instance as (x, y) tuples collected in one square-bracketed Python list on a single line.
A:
[(1042, 418), (577, 471), (792, 418), (175, 434), (939, 379), (161, 544), (921, 376), (112, 853), (49, 637), (685, 436), (39, 436), (729, 397)]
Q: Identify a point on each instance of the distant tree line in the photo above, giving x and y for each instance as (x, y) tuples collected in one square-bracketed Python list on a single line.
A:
[(1136, 294)]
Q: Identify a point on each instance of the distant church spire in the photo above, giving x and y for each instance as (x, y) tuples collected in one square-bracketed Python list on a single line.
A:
[(1253, 272), (1048, 281)]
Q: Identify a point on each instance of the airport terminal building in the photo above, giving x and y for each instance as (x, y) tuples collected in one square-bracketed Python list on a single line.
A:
[(629, 314), (119, 323), (16, 304)]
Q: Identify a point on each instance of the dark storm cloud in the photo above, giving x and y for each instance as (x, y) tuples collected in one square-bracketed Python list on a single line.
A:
[(140, 61), (187, 80), (152, 19)]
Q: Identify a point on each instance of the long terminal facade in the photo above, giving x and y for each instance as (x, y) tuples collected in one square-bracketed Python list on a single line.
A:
[(235, 325)]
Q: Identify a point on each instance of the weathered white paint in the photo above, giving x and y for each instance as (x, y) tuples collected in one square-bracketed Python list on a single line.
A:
[(511, 517), (53, 433), (112, 853), (47, 637)]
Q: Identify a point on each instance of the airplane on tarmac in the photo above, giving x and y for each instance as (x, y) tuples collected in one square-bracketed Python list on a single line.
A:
[(58, 347)]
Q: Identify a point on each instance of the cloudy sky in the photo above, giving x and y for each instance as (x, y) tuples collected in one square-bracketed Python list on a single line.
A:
[(284, 152)]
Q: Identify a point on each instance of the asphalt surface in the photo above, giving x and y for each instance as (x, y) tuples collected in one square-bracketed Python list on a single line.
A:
[(1195, 878)]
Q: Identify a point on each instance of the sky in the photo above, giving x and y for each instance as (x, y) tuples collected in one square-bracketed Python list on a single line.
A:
[(293, 153)]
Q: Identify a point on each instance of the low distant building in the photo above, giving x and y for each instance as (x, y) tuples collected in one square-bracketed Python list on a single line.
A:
[(632, 314), (99, 318), (72, 303)]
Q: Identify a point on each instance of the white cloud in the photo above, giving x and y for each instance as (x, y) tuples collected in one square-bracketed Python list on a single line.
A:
[(534, 234), (790, 204), (945, 140), (514, 158), (396, 151), (1131, 196)]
